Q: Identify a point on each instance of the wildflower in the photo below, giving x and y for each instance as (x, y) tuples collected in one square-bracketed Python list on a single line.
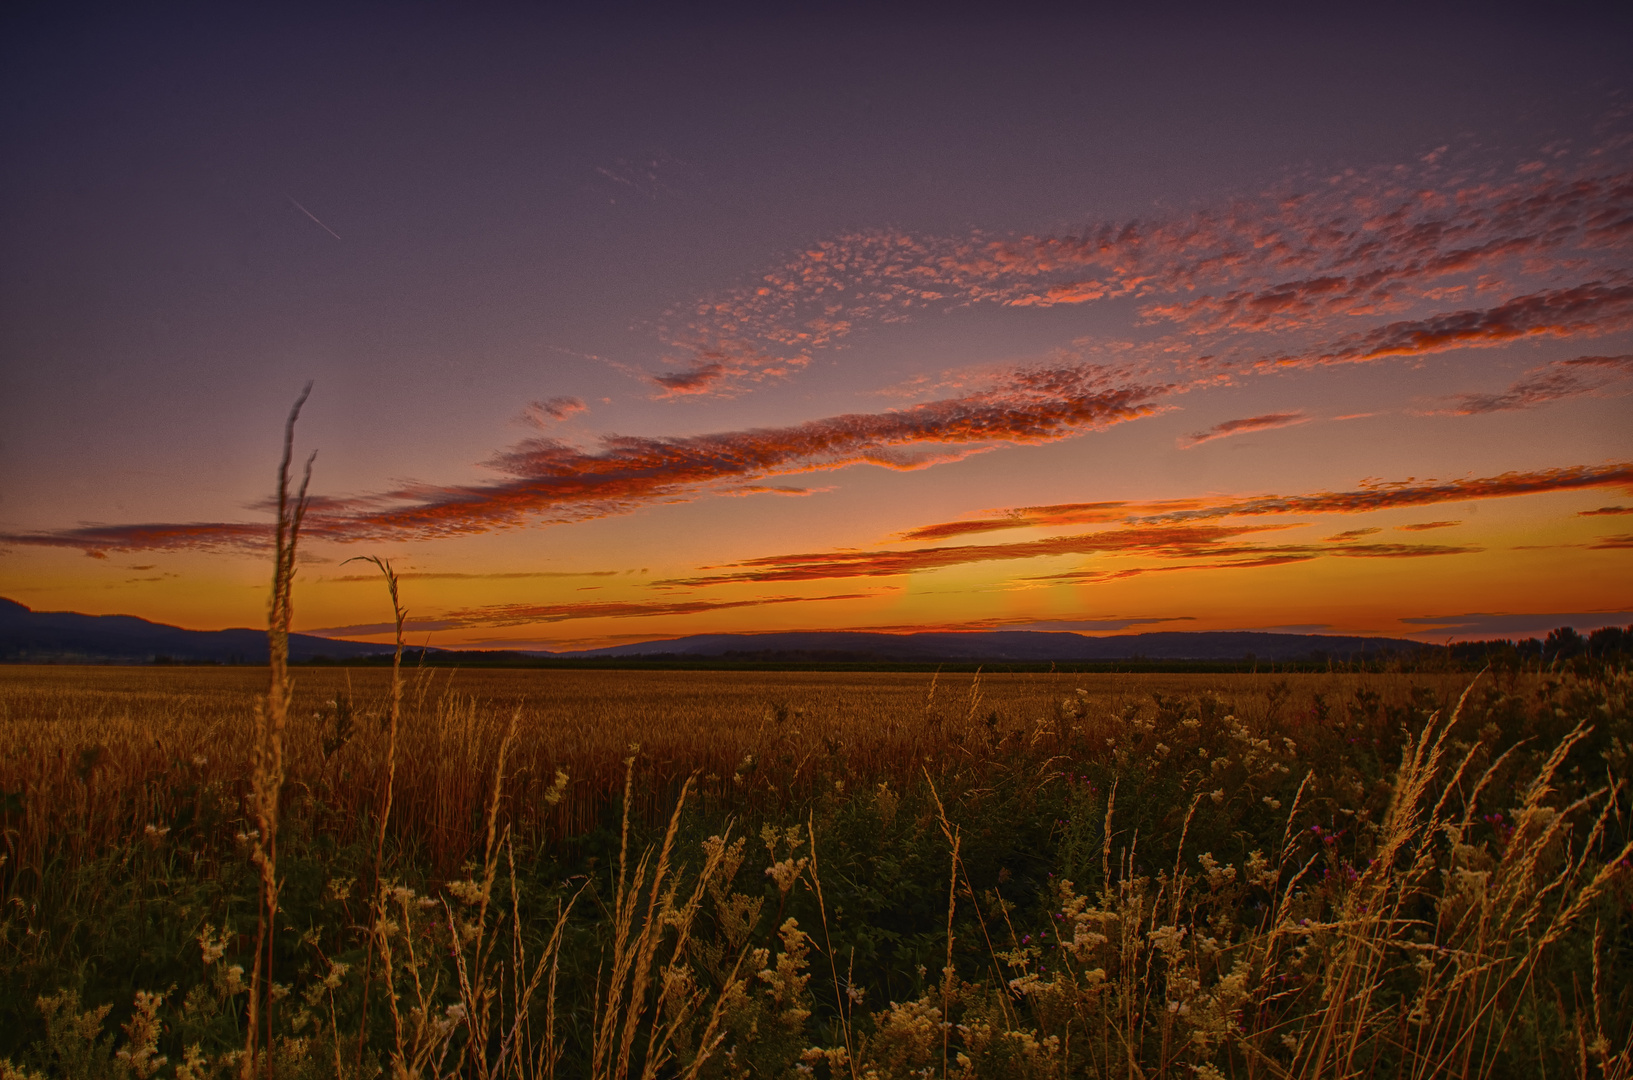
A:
[(558, 789), (785, 873), (213, 947)]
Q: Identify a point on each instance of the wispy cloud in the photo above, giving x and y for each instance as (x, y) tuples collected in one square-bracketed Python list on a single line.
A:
[(505, 615), (514, 575), (1380, 495), (1513, 624), (1169, 542), (1550, 382), (1374, 495), (1320, 254), (1247, 424), (1589, 309), (552, 481), (1351, 534), (891, 563), (1605, 511), (1258, 557), (1425, 526), (541, 414)]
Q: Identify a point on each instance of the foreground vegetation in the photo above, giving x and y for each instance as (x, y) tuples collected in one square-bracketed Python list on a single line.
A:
[(568, 873)]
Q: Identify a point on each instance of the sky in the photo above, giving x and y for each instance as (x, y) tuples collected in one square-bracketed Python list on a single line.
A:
[(648, 324)]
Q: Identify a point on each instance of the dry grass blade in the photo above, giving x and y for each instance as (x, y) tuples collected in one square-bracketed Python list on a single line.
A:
[(267, 755), (388, 787)]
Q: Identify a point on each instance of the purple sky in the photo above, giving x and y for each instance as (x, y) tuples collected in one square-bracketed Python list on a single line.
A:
[(473, 226)]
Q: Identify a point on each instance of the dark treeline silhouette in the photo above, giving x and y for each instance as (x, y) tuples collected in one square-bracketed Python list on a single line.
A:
[(1563, 647)]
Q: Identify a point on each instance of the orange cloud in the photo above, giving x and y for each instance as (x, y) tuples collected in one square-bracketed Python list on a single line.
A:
[(550, 480), (1174, 542), (1425, 526), (540, 414), (528, 614), (1371, 496), (1605, 511), (1385, 496), (420, 575), (1595, 307), (1027, 517), (1227, 428)]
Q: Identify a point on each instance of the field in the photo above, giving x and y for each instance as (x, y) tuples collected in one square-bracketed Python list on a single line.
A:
[(725, 874)]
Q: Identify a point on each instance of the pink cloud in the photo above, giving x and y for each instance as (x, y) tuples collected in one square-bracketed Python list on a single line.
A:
[(1550, 382), (1589, 309), (1315, 256), (540, 414)]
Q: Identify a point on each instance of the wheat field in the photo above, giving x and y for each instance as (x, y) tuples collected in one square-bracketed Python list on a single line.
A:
[(690, 873)]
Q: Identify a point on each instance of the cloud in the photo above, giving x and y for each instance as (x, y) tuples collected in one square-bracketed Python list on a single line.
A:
[(1605, 511), (552, 481), (1227, 428), (97, 540), (1316, 253), (424, 575), (1386, 496), (1396, 551), (1550, 382), (541, 414), (501, 615), (1177, 541), (1612, 543), (1176, 530), (1595, 307), (1077, 626), (1372, 496), (372, 629), (726, 369), (792, 490), (1509, 625), (1026, 517), (701, 379), (1164, 542)]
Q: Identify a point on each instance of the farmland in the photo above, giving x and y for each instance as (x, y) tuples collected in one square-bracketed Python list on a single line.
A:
[(857, 874)]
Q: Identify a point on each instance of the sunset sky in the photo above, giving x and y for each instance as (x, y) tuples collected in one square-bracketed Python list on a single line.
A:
[(670, 323)]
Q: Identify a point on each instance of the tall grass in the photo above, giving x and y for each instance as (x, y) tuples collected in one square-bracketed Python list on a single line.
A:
[(267, 749), (1462, 912)]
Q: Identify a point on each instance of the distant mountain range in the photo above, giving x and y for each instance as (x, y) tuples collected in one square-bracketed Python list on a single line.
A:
[(1025, 646), (67, 637)]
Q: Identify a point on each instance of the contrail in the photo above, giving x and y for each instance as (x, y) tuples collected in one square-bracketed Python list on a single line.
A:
[(314, 217)]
